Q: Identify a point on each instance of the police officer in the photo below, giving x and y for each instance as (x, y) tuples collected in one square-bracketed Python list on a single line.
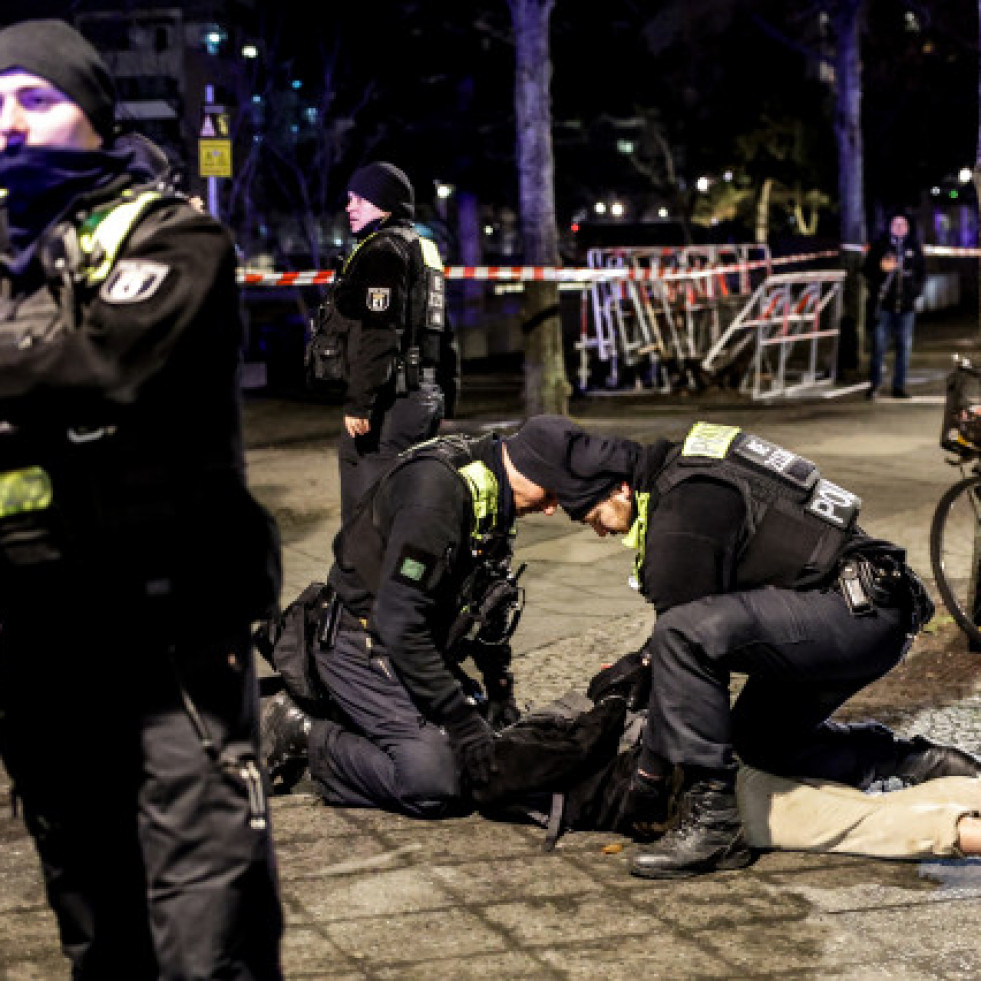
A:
[(389, 301), (132, 557), (755, 564), (420, 566)]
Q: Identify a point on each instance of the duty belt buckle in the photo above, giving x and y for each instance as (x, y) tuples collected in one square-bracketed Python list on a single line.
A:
[(852, 588)]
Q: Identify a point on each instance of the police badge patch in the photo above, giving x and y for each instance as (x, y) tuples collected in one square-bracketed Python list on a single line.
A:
[(133, 281), (378, 297)]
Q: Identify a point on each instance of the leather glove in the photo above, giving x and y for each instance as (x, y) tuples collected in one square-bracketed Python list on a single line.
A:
[(645, 808), (472, 740), (628, 678)]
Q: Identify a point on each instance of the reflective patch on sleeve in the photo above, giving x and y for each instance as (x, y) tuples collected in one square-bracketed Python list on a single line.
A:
[(24, 490), (415, 567), (133, 281), (430, 254), (709, 439), (378, 298)]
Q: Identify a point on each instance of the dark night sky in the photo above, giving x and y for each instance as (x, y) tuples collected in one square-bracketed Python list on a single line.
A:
[(441, 78)]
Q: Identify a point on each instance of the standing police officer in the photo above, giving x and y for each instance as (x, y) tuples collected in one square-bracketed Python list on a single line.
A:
[(389, 303), (755, 564), (132, 557), (421, 579)]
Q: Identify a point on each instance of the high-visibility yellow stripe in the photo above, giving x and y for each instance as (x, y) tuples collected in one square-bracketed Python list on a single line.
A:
[(24, 490)]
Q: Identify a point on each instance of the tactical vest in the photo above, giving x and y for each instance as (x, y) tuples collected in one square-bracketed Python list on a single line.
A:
[(797, 523), (76, 259), (419, 345), (361, 546)]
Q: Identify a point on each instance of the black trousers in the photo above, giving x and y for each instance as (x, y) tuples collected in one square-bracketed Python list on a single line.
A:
[(398, 423), (390, 756), (156, 855), (804, 655)]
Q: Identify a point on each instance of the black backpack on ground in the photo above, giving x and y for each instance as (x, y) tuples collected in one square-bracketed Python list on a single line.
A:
[(565, 766)]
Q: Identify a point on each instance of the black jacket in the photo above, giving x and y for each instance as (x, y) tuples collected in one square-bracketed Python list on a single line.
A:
[(895, 291), (124, 390), (372, 293), (403, 563)]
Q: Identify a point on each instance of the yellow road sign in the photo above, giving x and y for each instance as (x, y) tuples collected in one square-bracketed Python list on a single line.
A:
[(215, 158)]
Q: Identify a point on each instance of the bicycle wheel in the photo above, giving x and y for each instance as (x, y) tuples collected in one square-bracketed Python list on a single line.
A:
[(955, 554)]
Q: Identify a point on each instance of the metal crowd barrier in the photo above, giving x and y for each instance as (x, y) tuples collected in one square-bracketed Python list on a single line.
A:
[(682, 317), (785, 339)]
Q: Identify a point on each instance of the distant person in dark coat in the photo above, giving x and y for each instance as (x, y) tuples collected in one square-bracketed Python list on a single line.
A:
[(895, 270)]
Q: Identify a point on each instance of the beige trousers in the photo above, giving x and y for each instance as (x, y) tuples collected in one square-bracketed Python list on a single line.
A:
[(820, 816)]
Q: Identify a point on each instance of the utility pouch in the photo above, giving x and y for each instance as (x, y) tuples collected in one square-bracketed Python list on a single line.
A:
[(325, 356), (412, 369), (401, 377), (329, 622)]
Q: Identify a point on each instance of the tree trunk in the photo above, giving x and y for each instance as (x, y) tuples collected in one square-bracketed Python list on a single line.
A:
[(546, 387), (763, 211), (851, 191)]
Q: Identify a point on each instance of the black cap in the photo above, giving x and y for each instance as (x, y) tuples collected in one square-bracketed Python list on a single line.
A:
[(580, 468), (386, 187), (56, 52)]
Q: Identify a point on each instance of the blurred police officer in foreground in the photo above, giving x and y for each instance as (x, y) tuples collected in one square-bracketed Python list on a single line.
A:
[(388, 307), (422, 579), (755, 564), (132, 557)]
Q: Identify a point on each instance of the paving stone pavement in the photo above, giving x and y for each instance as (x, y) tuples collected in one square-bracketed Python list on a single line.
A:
[(370, 895)]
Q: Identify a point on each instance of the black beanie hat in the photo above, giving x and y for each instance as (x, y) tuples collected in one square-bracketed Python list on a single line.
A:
[(580, 468), (386, 187), (56, 52)]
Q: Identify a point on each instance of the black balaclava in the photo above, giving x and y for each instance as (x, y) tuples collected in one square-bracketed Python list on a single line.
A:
[(580, 468), (55, 51), (386, 187)]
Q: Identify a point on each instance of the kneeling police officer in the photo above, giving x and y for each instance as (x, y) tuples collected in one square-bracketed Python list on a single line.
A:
[(755, 563), (421, 574)]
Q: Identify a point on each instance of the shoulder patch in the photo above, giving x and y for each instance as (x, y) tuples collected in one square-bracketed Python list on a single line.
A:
[(378, 298), (133, 281), (709, 439), (415, 567)]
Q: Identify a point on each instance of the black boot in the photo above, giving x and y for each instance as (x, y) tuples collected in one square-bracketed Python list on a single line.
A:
[(707, 838), (284, 731), (927, 760)]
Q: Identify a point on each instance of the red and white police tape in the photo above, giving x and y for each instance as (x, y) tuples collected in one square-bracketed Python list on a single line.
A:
[(558, 274)]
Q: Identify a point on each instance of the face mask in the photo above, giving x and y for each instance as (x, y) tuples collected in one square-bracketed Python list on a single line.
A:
[(42, 183)]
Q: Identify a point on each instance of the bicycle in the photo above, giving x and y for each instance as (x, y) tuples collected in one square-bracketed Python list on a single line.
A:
[(955, 532)]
